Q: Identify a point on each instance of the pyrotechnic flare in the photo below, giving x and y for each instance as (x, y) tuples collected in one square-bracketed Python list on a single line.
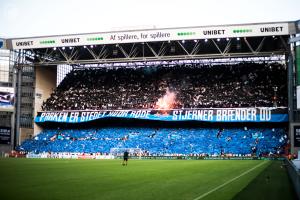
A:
[(166, 102)]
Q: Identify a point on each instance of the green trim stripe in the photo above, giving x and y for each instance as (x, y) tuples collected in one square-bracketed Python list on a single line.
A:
[(47, 42), (94, 38), (186, 33), (242, 31)]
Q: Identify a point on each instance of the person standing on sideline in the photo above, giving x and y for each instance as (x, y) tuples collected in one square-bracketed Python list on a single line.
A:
[(125, 158)]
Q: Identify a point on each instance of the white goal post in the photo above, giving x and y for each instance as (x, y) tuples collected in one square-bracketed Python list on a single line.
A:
[(120, 151)]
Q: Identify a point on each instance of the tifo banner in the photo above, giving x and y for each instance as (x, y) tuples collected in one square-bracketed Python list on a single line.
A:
[(262, 114)]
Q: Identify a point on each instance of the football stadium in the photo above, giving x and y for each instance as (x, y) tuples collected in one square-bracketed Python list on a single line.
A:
[(204, 112)]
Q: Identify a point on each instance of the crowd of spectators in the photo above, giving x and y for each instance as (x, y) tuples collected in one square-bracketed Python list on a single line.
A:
[(161, 141), (195, 86)]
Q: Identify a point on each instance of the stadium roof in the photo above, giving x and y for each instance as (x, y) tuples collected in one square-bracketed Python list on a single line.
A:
[(224, 41)]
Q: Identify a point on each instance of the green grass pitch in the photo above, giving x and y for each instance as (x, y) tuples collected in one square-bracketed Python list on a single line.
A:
[(55, 179)]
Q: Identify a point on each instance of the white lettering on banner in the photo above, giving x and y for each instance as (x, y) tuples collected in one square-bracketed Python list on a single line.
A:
[(63, 117), (140, 114), (88, 116), (118, 113), (74, 116), (248, 114), (261, 114), (203, 115), (54, 116), (265, 114), (42, 117)]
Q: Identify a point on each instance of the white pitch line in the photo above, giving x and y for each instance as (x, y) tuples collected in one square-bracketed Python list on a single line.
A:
[(231, 180)]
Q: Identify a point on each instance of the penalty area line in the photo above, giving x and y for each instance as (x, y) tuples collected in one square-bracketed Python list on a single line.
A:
[(231, 180)]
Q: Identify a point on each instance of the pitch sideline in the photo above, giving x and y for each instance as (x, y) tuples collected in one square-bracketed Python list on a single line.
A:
[(231, 180)]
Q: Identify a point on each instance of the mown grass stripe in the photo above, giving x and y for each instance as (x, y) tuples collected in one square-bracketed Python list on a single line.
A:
[(228, 182)]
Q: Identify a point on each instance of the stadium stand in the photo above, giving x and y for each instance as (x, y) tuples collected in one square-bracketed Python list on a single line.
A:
[(162, 141), (195, 86)]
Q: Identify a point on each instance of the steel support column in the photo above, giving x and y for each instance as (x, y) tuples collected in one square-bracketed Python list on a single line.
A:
[(18, 68)]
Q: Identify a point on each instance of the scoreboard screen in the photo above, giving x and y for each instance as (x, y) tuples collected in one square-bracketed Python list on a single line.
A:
[(5, 135), (297, 136)]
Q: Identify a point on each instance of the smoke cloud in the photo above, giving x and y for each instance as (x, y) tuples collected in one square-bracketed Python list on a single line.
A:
[(167, 102)]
